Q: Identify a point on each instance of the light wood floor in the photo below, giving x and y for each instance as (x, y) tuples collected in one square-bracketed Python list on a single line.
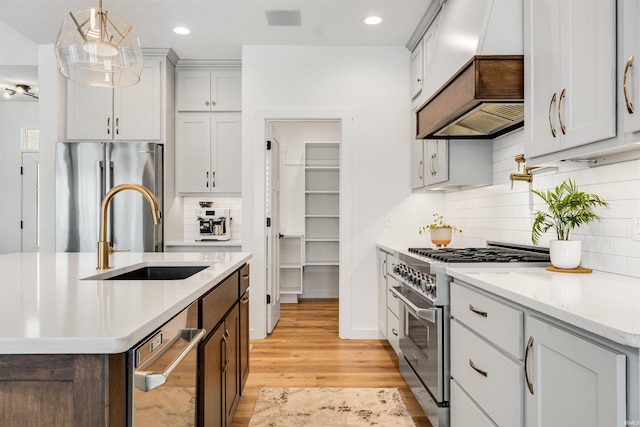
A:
[(304, 351)]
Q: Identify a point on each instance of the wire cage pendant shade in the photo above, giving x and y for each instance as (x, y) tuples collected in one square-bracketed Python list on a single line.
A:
[(99, 48)]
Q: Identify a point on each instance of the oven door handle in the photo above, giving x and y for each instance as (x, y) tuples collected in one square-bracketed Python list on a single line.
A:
[(148, 380), (428, 314)]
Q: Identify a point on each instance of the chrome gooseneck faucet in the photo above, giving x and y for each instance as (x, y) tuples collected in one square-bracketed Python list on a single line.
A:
[(104, 248)]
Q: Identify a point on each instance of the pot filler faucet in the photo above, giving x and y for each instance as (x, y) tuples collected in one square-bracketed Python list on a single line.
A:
[(104, 248)]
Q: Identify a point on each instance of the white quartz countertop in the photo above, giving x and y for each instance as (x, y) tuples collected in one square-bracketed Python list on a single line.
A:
[(46, 305), (604, 304)]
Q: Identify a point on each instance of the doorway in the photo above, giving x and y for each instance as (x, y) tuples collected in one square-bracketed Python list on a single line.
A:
[(310, 194)]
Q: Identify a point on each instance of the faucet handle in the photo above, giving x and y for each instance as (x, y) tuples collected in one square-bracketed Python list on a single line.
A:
[(112, 250)]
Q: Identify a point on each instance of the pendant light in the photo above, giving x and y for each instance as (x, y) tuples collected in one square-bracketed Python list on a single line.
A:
[(98, 48)]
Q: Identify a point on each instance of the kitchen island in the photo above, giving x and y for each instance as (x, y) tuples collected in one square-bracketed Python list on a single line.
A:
[(65, 330)]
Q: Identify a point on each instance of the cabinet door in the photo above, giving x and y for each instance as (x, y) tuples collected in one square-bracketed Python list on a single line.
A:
[(226, 91), (570, 50), (382, 292), (416, 71), (587, 71), (213, 354), (628, 65), (136, 108), (226, 153), (244, 327), (542, 56), (193, 92), (232, 365), (193, 153), (417, 164), (89, 112), (573, 381), (436, 161)]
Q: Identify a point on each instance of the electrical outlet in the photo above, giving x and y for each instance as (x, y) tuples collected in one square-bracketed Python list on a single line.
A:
[(635, 226), (387, 220)]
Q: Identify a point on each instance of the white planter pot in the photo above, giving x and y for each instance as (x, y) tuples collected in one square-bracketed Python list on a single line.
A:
[(441, 236), (565, 254)]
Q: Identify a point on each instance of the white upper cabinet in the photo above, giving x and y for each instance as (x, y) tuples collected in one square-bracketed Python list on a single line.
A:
[(629, 68), (209, 90), (570, 81), (122, 114), (208, 153), (416, 70)]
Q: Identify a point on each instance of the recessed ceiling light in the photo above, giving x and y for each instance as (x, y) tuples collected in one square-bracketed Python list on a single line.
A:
[(372, 20), (181, 30)]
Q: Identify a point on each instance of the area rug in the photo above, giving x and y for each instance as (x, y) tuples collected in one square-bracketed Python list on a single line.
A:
[(335, 407)]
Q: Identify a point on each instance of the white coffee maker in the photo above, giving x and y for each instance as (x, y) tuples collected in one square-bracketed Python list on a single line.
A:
[(214, 224)]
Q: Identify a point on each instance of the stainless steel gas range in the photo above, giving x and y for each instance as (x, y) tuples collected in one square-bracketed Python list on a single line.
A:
[(422, 286)]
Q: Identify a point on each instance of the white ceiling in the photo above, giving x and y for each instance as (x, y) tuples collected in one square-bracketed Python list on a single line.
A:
[(220, 27)]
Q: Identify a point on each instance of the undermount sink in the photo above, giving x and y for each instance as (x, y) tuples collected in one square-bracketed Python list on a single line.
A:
[(160, 272)]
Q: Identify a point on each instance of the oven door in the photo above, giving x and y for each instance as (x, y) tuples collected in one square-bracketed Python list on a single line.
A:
[(423, 341)]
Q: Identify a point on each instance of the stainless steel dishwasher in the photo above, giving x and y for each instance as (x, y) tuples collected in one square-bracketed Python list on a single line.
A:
[(163, 377)]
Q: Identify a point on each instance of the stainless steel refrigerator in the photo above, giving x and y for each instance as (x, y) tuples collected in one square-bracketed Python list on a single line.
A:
[(85, 171)]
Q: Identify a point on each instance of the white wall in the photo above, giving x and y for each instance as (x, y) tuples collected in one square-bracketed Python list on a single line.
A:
[(367, 88), (499, 213), (15, 48)]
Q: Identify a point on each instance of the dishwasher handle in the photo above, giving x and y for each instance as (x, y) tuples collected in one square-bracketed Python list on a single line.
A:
[(148, 380)]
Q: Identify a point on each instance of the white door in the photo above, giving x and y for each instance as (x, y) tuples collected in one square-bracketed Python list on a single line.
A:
[(30, 201), (272, 213)]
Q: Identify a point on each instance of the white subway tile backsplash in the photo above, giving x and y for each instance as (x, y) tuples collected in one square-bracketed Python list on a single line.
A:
[(499, 213)]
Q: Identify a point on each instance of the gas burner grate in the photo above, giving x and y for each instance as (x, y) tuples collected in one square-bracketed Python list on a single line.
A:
[(473, 255)]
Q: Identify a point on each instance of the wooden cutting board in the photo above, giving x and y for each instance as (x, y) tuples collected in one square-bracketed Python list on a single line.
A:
[(573, 270)]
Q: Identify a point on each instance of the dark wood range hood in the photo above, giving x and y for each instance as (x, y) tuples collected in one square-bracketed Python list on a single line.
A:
[(484, 99)]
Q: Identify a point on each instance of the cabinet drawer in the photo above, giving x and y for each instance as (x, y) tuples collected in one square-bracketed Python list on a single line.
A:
[(464, 411), (216, 303), (499, 323), (393, 330), (500, 392)]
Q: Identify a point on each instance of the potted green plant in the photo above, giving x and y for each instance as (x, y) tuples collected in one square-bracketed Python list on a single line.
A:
[(440, 232), (568, 208)]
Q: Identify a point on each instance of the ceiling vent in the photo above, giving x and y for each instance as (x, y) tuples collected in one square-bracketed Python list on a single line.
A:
[(283, 18)]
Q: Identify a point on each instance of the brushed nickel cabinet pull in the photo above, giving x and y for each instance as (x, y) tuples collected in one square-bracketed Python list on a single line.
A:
[(213, 179), (206, 176), (117, 125), (476, 311), (478, 370), (394, 331), (384, 269), (628, 103), (108, 125), (553, 99), (562, 94), (420, 170), (526, 365)]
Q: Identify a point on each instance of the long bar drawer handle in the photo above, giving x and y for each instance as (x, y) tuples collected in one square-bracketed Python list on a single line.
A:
[(527, 352), (475, 310), (147, 381), (478, 370)]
